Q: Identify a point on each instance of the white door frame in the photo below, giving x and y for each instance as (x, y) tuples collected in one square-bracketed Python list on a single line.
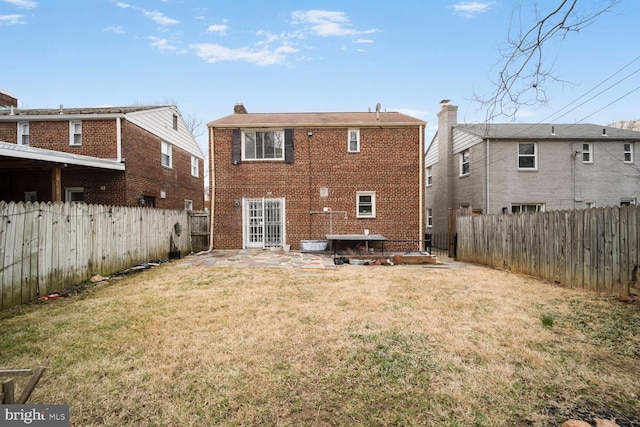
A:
[(263, 223)]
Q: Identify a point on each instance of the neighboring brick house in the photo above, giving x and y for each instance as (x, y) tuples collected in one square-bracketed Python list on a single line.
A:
[(514, 168), (279, 179), (127, 156)]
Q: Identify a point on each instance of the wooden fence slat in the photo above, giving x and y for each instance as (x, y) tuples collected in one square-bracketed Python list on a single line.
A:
[(594, 249)]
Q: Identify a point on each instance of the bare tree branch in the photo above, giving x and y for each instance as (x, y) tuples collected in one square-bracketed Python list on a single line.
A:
[(523, 74)]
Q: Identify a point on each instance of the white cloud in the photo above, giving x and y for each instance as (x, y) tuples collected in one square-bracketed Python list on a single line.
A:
[(162, 44), (116, 30), (12, 19), (218, 28), (364, 41), (264, 56), (327, 23), (157, 17), (469, 9), (24, 4)]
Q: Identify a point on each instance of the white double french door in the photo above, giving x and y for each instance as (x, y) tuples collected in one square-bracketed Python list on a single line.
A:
[(263, 223)]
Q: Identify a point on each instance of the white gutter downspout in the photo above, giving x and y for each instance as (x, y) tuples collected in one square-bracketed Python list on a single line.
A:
[(118, 140), (421, 190), (212, 185), (486, 160)]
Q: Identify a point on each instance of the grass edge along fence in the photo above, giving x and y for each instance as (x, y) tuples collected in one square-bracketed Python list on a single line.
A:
[(594, 249), (45, 247)]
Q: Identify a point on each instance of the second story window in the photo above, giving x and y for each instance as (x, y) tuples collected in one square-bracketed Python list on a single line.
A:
[(465, 164), (166, 154), (263, 145), (527, 156), (75, 132), (354, 141), (429, 176), (23, 133), (587, 153), (175, 122), (194, 166), (628, 153)]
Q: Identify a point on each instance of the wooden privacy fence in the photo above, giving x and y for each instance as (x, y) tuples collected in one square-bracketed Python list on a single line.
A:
[(594, 249), (45, 247)]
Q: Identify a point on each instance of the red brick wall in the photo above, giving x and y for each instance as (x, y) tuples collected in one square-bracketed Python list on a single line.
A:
[(388, 163), (144, 174)]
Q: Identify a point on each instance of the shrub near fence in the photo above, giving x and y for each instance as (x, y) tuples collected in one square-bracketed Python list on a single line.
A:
[(45, 247), (594, 249)]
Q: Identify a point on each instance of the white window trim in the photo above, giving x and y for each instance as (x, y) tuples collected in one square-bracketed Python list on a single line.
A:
[(373, 204), (429, 218), (195, 168), (625, 151), (590, 152), (588, 204), (540, 207), (429, 176), (188, 205), (69, 190), (72, 134), (535, 156), (166, 152), (462, 162), (21, 134), (244, 154), (357, 150)]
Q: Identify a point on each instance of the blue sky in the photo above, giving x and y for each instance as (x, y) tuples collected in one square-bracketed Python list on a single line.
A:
[(301, 56)]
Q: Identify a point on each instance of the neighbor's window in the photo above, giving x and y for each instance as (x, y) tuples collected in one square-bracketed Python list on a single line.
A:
[(587, 153), (429, 217), (589, 205), (527, 207), (23, 133), (366, 204), (30, 196), (175, 122), (465, 165), (166, 154), (194, 166), (188, 205), (74, 194), (429, 176), (354, 141), (263, 145), (628, 153), (527, 156), (627, 201), (75, 132)]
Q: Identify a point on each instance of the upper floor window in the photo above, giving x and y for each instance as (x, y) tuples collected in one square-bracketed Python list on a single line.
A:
[(429, 217), (354, 141), (527, 156), (429, 176), (23, 133), (175, 122), (465, 164), (365, 204), (587, 153), (628, 153), (166, 154), (75, 132), (194, 166), (263, 145)]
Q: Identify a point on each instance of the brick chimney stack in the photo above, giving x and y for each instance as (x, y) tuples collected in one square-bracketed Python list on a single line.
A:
[(7, 100), (239, 108)]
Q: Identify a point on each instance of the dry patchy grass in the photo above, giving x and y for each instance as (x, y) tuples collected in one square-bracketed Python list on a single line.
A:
[(178, 346)]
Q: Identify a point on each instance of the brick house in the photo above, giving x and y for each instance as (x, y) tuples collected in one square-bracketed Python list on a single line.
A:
[(283, 178), (127, 156), (515, 168)]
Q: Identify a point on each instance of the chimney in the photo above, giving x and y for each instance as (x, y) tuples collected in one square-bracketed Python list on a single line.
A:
[(444, 103), (239, 108), (447, 166), (7, 100)]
